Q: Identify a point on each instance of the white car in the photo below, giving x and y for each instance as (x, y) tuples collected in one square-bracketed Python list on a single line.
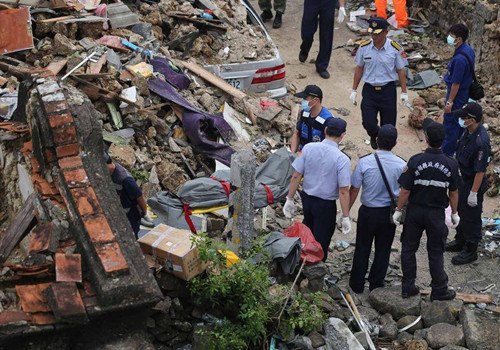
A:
[(255, 76)]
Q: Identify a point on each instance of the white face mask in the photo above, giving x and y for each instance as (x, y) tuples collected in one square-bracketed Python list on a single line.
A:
[(451, 40)]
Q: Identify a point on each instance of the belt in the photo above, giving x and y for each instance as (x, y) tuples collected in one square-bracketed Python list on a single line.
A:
[(380, 87)]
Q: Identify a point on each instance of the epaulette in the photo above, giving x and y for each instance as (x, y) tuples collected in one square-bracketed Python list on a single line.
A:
[(396, 45), (364, 43)]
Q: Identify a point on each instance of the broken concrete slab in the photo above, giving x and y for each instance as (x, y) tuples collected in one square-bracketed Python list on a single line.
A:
[(389, 300), (442, 334), (339, 337), (480, 328)]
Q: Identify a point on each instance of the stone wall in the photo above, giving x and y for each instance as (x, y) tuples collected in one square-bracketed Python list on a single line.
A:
[(481, 17)]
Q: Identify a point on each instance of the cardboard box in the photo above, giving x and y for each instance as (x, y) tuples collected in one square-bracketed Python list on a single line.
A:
[(172, 248)]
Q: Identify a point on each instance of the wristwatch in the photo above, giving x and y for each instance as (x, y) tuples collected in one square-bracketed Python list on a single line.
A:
[(449, 103)]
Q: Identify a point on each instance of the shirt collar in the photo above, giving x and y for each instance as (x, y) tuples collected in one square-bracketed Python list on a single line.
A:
[(381, 152), (386, 45), (434, 150), (330, 142)]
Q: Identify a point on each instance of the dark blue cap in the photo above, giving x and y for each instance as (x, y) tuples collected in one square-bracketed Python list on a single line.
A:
[(433, 130), (388, 133), (310, 90), (377, 24), (470, 110), (337, 125)]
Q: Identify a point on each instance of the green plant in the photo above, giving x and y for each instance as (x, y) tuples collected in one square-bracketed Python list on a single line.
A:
[(140, 175), (250, 304)]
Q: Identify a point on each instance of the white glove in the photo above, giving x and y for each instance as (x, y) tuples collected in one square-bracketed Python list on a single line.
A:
[(342, 15), (455, 220), (404, 97), (289, 208), (346, 225), (353, 97), (396, 217), (472, 199), (146, 220)]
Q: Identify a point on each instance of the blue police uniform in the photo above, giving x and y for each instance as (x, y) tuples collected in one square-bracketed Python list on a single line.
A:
[(473, 156), (312, 129), (324, 12), (380, 67), (324, 168), (459, 72), (374, 217), (128, 192), (429, 176)]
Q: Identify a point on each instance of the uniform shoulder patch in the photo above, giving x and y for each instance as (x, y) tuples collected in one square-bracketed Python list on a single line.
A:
[(396, 46), (364, 43)]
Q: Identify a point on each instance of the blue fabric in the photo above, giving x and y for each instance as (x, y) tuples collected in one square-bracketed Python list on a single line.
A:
[(315, 125), (367, 175), (128, 192), (452, 129), (325, 168), (322, 11), (380, 66), (474, 152)]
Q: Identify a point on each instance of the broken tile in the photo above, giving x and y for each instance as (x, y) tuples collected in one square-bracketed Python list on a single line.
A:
[(68, 267), (68, 150), (43, 318), (76, 178), (7, 317), (31, 297), (111, 257), (66, 303), (43, 239), (86, 201)]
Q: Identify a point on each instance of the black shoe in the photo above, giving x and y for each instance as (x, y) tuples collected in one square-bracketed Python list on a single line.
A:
[(277, 21), (448, 294), (373, 142), (455, 246), (302, 56), (409, 292), (466, 256), (324, 74), (266, 15)]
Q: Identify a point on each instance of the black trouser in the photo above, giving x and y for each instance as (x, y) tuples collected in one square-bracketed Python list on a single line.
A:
[(324, 11), (319, 216), (373, 223), (378, 99), (469, 228), (432, 220)]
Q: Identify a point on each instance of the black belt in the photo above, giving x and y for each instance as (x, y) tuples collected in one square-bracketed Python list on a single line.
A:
[(381, 87)]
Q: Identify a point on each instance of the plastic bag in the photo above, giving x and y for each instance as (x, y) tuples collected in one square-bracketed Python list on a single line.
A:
[(311, 249)]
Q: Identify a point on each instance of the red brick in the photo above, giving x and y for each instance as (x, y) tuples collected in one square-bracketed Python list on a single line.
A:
[(64, 135), (68, 150), (68, 267), (43, 186), (66, 302), (43, 318), (76, 178), (74, 162), (32, 297), (86, 201), (50, 156), (55, 107), (27, 148), (111, 257), (58, 120), (7, 317), (98, 229)]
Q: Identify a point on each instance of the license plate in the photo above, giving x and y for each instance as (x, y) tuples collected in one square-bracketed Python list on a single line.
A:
[(236, 83)]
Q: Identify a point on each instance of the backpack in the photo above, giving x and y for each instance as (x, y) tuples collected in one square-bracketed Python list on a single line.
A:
[(476, 90)]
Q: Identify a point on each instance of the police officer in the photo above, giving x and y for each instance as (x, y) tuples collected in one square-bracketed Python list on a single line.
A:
[(428, 184), (458, 80), (313, 116), (473, 156), (379, 62), (374, 214), (324, 11), (279, 7), (326, 171)]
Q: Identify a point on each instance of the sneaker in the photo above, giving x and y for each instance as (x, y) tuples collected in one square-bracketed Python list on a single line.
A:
[(466, 256), (448, 294), (409, 292), (302, 56), (266, 15), (373, 142), (324, 74), (454, 246), (277, 21)]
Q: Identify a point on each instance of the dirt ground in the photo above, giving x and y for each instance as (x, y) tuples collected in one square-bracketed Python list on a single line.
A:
[(336, 92)]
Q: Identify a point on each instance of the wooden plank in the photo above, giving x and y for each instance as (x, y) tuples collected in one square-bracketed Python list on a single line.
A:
[(24, 221), (212, 79), (57, 19), (468, 298)]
